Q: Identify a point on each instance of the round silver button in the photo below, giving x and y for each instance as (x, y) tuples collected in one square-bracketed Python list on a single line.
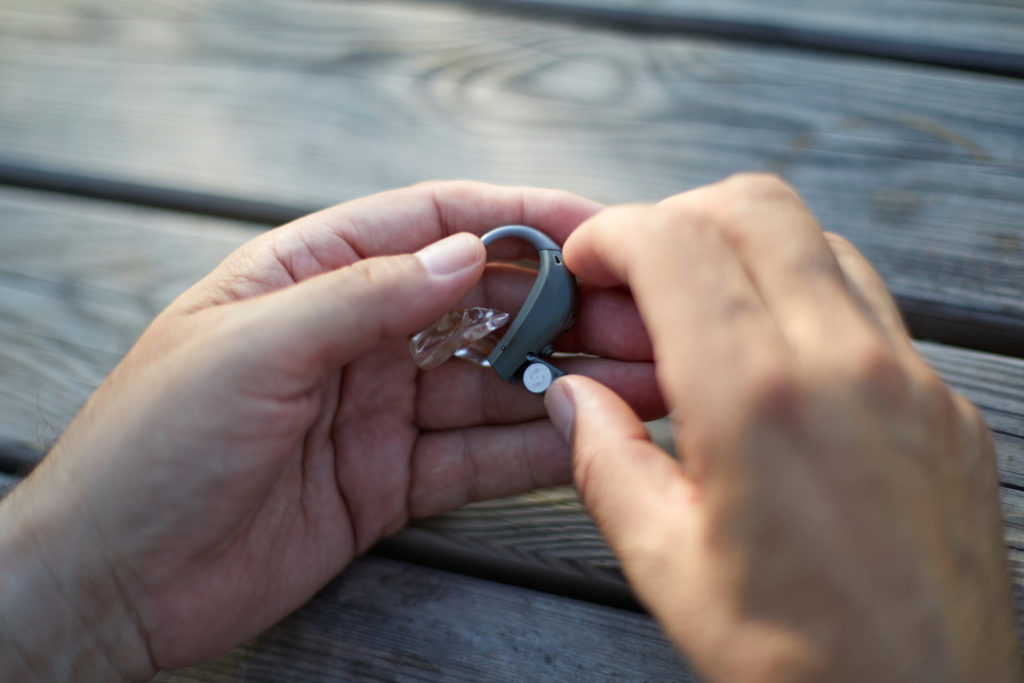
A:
[(537, 378)]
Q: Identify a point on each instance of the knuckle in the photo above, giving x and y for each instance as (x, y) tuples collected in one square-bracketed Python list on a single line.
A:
[(585, 456), (936, 398), (671, 219), (608, 228), (931, 384), (976, 448), (436, 185), (447, 192), (977, 434), (968, 412), (624, 227), (364, 275), (664, 224), (760, 186), (774, 393), (380, 279), (460, 187), (839, 244), (432, 187), (733, 205), (877, 368), (626, 216)]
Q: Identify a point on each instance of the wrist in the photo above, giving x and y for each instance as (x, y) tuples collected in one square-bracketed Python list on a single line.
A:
[(64, 613)]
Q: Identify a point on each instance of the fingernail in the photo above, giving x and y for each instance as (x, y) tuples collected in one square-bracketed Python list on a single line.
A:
[(452, 254), (561, 409)]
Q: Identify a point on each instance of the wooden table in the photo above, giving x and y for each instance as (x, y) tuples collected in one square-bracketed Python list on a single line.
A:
[(141, 141)]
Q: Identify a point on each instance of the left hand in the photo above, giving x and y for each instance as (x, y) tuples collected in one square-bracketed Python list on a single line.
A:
[(270, 425)]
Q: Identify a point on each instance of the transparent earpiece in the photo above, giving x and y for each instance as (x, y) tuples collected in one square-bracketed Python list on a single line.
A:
[(465, 334)]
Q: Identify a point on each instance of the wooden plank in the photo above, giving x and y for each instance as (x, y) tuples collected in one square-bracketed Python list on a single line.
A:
[(987, 26), (80, 279), (546, 540), (347, 99), (387, 621), (139, 194)]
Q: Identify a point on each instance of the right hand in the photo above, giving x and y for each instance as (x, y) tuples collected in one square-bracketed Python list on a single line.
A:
[(834, 514)]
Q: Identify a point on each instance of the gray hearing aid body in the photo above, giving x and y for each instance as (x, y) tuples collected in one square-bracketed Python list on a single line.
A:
[(549, 310)]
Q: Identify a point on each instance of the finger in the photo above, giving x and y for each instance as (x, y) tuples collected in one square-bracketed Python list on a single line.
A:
[(454, 467), (404, 220), (607, 324), (607, 321), (697, 303), (784, 253), (637, 494), (459, 394), (339, 315), (596, 250), (869, 289)]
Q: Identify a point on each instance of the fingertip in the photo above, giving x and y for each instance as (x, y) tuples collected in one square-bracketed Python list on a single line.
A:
[(593, 251), (561, 410), (602, 412), (624, 480), (452, 255)]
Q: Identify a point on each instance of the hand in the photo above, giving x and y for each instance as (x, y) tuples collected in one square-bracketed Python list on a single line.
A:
[(834, 513), (270, 425)]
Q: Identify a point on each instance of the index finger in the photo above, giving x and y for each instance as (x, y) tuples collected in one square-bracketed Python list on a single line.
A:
[(707, 323), (405, 220)]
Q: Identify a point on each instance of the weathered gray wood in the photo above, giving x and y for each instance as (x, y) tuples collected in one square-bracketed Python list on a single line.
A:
[(79, 281), (996, 385), (921, 167), (546, 539), (967, 23), (389, 621)]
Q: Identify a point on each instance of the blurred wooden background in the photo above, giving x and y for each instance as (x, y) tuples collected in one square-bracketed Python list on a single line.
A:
[(142, 141)]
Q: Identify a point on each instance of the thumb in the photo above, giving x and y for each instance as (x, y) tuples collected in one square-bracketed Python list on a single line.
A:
[(339, 315), (636, 493)]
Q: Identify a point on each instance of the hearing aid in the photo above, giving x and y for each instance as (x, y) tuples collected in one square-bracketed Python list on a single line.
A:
[(549, 310)]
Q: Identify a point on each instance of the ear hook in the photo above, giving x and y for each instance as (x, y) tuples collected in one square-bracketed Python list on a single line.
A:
[(549, 310)]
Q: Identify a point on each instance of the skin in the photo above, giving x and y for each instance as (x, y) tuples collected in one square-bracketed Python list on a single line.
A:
[(834, 512), (270, 425), (833, 516)]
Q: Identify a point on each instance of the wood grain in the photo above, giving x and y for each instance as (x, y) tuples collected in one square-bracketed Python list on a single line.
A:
[(995, 25), (79, 281), (463, 543), (388, 621), (922, 168)]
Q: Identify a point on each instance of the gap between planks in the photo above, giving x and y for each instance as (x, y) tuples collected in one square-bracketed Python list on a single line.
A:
[(783, 32), (384, 620)]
